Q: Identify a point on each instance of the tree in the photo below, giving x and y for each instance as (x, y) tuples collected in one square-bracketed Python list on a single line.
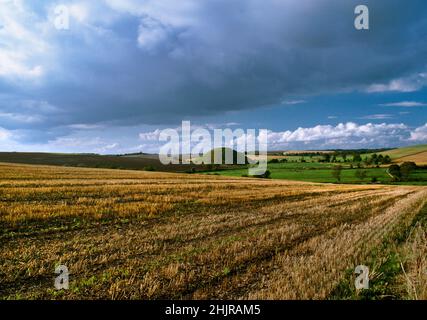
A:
[(406, 168), (265, 175), (394, 170), (374, 157), (368, 161), (387, 159), (357, 157), (360, 174), (336, 172)]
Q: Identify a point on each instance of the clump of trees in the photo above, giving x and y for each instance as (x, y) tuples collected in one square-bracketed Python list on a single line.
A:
[(326, 157), (378, 159), (336, 172), (276, 160), (355, 157), (265, 175), (402, 172), (360, 174)]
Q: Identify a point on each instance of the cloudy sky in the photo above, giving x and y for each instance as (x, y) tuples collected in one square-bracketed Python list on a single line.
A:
[(124, 69)]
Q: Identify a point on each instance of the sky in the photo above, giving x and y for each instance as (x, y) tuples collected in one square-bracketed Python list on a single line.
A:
[(125, 69)]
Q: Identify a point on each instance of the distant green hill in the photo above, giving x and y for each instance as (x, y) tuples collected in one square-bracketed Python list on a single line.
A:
[(218, 155)]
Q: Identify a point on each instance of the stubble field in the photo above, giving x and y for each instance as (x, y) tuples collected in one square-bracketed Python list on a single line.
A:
[(150, 235)]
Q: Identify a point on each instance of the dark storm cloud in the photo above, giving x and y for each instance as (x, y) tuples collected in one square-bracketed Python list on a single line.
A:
[(158, 62)]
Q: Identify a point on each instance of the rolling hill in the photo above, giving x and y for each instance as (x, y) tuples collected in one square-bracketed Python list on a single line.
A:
[(147, 162), (417, 154)]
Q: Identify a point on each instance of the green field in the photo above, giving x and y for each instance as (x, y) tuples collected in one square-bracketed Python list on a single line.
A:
[(322, 172)]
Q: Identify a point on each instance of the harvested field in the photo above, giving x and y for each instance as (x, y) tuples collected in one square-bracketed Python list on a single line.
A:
[(419, 158), (150, 235)]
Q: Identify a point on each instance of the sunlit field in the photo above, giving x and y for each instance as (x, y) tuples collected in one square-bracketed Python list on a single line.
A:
[(150, 235), (322, 172)]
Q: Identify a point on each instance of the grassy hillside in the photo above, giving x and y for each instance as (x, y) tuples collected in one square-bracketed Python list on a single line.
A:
[(219, 155), (419, 158), (417, 153)]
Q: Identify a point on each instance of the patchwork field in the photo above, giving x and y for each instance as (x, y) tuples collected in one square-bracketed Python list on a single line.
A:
[(416, 154), (419, 158), (150, 235), (322, 173)]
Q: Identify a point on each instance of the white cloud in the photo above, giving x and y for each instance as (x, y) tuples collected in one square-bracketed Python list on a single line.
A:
[(106, 148), (293, 102), (150, 136), (84, 126), (22, 42), (22, 118), (166, 11), (408, 84), (38, 106), (5, 134), (158, 18), (419, 134), (404, 104), (343, 135), (75, 142), (8, 139), (151, 34), (80, 144), (377, 116), (14, 64), (79, 11)]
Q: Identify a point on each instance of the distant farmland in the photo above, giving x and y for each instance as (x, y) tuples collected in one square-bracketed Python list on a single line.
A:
[(150, 235), (311, 167), (417, 154), (131, 162), (419, 158), (322, 173)]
